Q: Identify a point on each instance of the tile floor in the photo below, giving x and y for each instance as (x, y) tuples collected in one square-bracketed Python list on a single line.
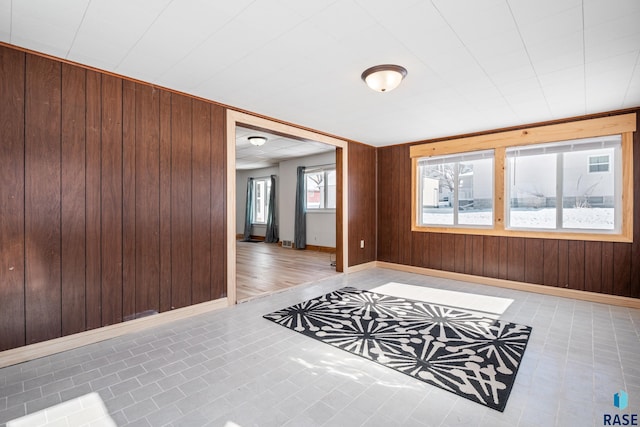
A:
[(233, 366)]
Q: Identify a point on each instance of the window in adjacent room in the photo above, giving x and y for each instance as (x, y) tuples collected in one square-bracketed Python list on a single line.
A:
[(261, 192), (320, 184), (550, 188), (456, 190)]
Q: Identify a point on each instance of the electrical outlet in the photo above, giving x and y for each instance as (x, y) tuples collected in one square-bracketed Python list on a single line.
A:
[(361, 244)]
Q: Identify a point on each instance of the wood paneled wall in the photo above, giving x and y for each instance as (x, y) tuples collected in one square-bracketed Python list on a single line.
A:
[(362, 203), (604, 267), (112, 199)]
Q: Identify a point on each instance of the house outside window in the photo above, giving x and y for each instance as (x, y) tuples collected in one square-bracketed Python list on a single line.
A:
[(261, 193), (456, 190), (320, 186), (565, 195)]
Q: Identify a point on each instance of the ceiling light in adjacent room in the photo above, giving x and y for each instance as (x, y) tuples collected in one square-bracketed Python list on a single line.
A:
[(257, 140), (384, 78)]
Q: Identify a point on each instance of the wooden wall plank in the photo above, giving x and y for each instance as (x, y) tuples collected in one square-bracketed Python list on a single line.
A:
[(165, 200), (73, 206), (634, 285), (459, 245), (417, 249), (128, 200), (550, 274), (386, 190), (477, 266), (403, 215), (12, 275), (491, 251), (563, 263), (593, 266), (435, 251), (201, 191), (147, 220), (607, 268), (181, 227), (534, 261), (362, 202), (576, 263), (468, 255), (448, 252), (503, 264), (93, 150), (219, 202), (111, 200), (622, 269), (42, 199), (515, 258)]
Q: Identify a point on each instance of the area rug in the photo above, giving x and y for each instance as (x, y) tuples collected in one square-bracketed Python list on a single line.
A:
[(458, 350)]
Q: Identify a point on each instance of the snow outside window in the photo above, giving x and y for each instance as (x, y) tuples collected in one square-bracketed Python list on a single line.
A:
[(552, 186), (456, 190)]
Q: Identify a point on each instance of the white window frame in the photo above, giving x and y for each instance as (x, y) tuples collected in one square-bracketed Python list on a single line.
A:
[(266, 181), (325, 170)]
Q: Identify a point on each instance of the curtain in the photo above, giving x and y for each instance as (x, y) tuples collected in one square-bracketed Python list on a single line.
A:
[(271, 235), (248, 214), (300, 229)]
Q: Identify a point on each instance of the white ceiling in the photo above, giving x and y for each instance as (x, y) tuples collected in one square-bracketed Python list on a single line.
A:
[(276, 149), (473, 64)]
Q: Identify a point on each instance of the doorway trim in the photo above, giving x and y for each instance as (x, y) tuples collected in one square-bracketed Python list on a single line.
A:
[(235, 118)]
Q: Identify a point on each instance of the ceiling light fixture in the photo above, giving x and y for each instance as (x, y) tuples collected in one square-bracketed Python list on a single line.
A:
[(257, 140), (384, 78)]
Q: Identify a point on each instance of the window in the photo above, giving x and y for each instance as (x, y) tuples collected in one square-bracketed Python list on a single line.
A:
[(598, 164), (565, 196), (570, 181), (261, 193), (320, 184), (456, 190)]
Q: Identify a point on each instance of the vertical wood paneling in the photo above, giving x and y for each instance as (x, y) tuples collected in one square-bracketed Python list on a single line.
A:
[(201, 190), (468, 255), (128, 200), (147, 223), (86, 214), (12, 87), (181, 228), (460, 244), (111, 200), (435, 251), (607, 268), (385, 191), (73, 199), (165, 201), (622, 269), (550, 275), (417, 249), (219, 204), (634, 285), (426, 247), (340, 218), (42, 199), (362, 203), (503, 258), (93, 277), (515, 258), (593, 266), (448, 252), (477, 268), (576, 265), (534, 261), (404, 217), (491, 251)]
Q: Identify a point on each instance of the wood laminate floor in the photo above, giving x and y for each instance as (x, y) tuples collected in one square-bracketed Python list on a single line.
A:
[(263, 268)]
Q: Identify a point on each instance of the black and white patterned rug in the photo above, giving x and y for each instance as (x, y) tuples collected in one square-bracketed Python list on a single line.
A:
[(458, 350)]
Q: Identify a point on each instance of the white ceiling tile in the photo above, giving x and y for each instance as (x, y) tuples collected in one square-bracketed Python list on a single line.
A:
[(598, 11), (5, 20), (342, 19), (552, 28), (49, 26), (527, 12), (558, 54), (111, 28)]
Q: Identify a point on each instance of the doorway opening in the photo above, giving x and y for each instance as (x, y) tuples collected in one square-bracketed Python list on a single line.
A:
[(256, 268)]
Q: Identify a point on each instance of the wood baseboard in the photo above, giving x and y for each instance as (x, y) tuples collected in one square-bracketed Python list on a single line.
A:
[(520, 286), (69, 342), (252, 237)]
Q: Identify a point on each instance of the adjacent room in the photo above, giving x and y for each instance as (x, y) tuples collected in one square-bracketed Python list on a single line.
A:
[(286, 192), (329, 213)]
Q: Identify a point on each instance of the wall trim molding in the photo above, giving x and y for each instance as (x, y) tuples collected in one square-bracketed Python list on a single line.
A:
[(70, 342), (362, 267), (519, 286)]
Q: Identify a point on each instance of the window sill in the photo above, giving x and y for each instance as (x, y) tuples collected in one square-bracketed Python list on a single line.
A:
[(558, 235), (321, 211)]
